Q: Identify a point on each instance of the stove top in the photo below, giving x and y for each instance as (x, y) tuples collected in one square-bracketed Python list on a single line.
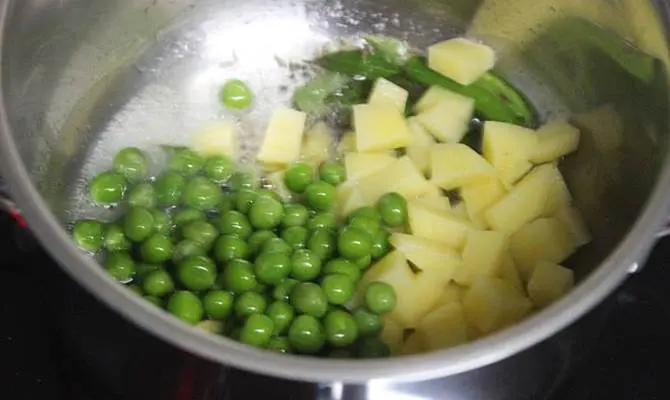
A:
[(38, 359)]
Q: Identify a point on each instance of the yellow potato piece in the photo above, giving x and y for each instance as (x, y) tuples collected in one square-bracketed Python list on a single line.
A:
[(483, 256), (428, 255), (452, 293), (347, 143), (419, 148), (439, 203), (385, 92), (317, 144), (479, 196), (444, 227), (461, 59), (434, 95), (559, 196), (413, 345), (549, 283), (443, 327), (402, 177), (380, 127), (392, 335), (215, 139), (348, 199), (454, 165), (555, 140), (510, 273), (508, 148), (448, 120), (283, 137), (492, 304), (544, 239), (359, 165), (574, 223)]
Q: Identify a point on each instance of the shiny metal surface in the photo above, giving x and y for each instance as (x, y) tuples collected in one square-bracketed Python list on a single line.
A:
[(81, 78)]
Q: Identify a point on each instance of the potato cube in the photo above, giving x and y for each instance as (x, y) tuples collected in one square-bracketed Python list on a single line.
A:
[(492, 304), (460, 211), (524, 202), (443, 227), (392, 334), (413, 345), (444, 327), (348, 198), (380, 127), (433, 96), (549, 283), (448, 120), (461, 59), (347, 143), (402, 177), (317, 144), (510, 273), (479, 196), (455, 165), (559, 195), (359, 165), (555, 140), (508, 148), (439, 203), (574, 223), (386, 92), (544, 239), (419, 148), (428, 256), (215, 139), (483, 256), (283, 137)]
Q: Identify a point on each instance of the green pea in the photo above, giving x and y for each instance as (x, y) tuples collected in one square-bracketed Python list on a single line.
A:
[(157, 249), (138, 224), (309, 298), (218, 304), (258, 239), (369, 324), (186, 162), (393, 209), (219, 169), (282, 315), (270, 194), (295, 215), (89, 235), (373, 347), (272, 268), (276, 245), (120, 266), (306, 334), (236, 94), (142, 270), (142, 195), (244, 199), (266, 213), (354, 243), (234, 223), (380, 298), (306, 265), (257, 330), (341, 329), (283, 290), (229, 247), (364, 263), (187, 248), (107, 188), (197, 272), (202, 194), (320, 195), (158, 283), (131, 163), (380, 245), (243, 180), (187, 216), (322, 243), (115, 239), (169, 187), (186, 306), (228, 202), (332, 172), (365, 224), (369, 212), (200, 232), (162, 222), (154, 300), (249, 303), (279, 344), (344, 267), (295, 236), (298, 177), (322, 220), (238, 277), (339, 288)]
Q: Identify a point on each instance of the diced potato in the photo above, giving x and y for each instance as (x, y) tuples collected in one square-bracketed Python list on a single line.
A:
[(574, 223), (317, 144), (419, 148), (413, 345), (544, 239), (439, 203), (348, 198), (386, 92), (460, 210), (347, 143), (492, 304), (510, 273), (555, 140), (448, 120), (549, 283), (444, 327), (479, 221), (402, 177), (525, 202), (392, 335), (559, 195), (461, 59), (428, 255), (215, 139), (276, 179), (483, 256), (508, 148), (380, 128), (443, 227), (283, 137), (359, 165), (452, 293), (455, 165), (433, 96), (480, 196)]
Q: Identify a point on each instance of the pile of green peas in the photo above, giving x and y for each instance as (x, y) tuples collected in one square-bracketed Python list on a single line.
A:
[(208, 242)]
